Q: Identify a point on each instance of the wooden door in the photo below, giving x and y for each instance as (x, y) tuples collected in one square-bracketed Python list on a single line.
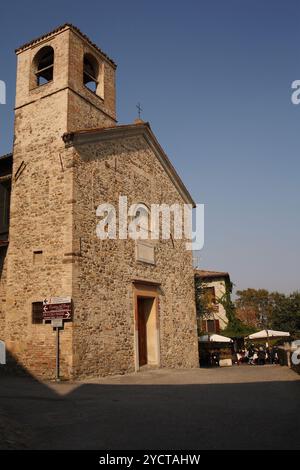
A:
[(142, 332)]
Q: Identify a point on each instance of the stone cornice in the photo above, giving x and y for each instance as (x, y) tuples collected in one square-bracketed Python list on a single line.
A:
[(60, 29)]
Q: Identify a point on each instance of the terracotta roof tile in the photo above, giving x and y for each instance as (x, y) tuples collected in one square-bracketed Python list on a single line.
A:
[(210, 274)]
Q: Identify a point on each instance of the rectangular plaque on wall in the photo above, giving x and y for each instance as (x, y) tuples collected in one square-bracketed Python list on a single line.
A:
[(145, 251)]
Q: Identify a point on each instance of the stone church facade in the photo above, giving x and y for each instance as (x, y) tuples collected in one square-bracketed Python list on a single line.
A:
[(133, 302)]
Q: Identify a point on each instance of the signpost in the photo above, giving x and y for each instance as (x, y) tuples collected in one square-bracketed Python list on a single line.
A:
[(57, 309), (2, 353), (57, 323)]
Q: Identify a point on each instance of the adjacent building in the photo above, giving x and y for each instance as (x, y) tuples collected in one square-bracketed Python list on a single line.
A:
[(212, 286)]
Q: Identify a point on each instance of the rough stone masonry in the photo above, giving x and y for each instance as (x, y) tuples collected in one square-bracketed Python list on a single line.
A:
[(69, 156)]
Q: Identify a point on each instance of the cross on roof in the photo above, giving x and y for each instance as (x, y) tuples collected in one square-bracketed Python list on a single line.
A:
[(140, 109)]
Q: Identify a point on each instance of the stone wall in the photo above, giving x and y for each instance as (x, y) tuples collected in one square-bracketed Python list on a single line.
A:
[(104, 271)]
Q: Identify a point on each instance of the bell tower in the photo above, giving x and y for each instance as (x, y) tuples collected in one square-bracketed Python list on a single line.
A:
[(64, 78), (64, 83)]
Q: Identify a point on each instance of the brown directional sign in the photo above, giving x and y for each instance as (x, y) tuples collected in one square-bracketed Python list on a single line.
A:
[(57, 311)]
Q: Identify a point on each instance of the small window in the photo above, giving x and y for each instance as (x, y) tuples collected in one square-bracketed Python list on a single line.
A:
[(90, 72), (140, 224), (2, 259), (211, 326), (44, 65), (38, 257), (37, 313), (209, 294), (5, 190)]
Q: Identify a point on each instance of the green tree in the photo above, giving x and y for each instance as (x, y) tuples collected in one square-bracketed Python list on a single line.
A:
[(235, 326), (286, 312), (255, 307)]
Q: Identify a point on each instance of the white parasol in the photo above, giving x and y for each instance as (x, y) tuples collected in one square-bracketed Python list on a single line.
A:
[(266, 334), (213, 338)]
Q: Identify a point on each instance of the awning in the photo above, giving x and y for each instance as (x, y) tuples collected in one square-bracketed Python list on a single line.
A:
[(265, 334), (214, 338)]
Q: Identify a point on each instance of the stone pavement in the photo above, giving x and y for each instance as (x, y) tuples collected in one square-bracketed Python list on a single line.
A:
[(234, 408)]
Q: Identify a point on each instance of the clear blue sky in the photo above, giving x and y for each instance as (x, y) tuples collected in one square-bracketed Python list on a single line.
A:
[(214, 80)]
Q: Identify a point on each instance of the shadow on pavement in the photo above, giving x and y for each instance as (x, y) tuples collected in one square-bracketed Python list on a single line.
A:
[(261, 415)]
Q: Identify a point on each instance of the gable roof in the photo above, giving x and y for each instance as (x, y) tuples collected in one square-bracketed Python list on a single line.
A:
[(58, 30), (88, 136)]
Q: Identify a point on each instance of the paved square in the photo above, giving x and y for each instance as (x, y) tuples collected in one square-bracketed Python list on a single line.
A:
[(234, 408)]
